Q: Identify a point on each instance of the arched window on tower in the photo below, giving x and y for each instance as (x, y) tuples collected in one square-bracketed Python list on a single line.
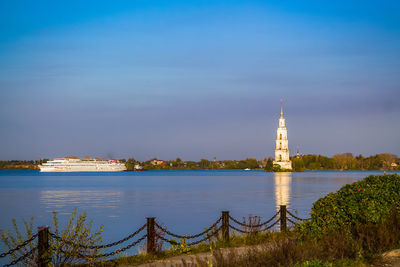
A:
[(280, 145), (280, 136), (280, 157)]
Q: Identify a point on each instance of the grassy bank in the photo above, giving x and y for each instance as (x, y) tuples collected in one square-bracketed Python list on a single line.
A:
[(216, 243), (359, 247)]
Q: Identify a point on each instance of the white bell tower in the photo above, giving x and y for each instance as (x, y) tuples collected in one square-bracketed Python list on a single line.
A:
[(282, 146)]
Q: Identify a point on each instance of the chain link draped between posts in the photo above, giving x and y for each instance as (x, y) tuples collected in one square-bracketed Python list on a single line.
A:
[(255, 225), (253, 231), (239, 230), (188, 236), (295, 217), (22, 257), (272, 225), (122, 249), (11, 251), (205, 238), (117, 251), (175, 243), (289, 220), (99, 246)]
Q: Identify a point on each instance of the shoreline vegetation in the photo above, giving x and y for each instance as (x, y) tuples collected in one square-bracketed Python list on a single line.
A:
[(350, 227), (339, 162)]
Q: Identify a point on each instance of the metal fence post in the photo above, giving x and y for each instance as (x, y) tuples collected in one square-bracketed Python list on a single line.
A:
[(225, 226), (151, 236), (43, 246), (283, 218)]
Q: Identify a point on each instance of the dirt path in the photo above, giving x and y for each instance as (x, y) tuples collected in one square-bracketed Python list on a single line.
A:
[(390, 259), (193, 260)]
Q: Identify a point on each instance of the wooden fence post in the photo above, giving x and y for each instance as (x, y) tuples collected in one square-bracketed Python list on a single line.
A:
[(283, 218), (43, 246), (151, 236), (225, 226)]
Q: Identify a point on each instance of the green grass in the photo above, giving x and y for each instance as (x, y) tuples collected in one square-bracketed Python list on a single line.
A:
[(338, 263), (236, 240), (359, 247)]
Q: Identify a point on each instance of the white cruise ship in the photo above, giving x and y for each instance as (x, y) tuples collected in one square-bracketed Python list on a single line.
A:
[(74, 164)]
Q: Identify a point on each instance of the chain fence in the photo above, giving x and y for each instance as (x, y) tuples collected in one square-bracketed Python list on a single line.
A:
[(104, 255), (254, 225), (23, 244), (175, 243), (272, 225), (21, 258), (99, 246), (295, 217), (255, 229), (188, 236), (154, 231)]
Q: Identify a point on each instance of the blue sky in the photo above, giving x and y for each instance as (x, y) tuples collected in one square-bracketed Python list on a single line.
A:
[(197, 79)]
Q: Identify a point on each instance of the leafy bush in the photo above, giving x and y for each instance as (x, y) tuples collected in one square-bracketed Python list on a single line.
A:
[(68, 252), (12, 241), (370, 200), (77, 233)]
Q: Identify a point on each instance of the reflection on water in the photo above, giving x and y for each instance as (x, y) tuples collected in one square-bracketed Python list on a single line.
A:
[(282, 188), (64, 200)]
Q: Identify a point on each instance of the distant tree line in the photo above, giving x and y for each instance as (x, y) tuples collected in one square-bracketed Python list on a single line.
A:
[(345, 161), (203, 164), (19, 165)]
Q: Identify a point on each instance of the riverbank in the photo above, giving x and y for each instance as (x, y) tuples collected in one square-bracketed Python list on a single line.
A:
[(388, 259)]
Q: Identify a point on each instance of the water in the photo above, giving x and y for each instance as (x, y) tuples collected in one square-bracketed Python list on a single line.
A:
[(185, 201)]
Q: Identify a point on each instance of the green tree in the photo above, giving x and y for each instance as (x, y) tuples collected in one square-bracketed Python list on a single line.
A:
[(191, 165), (297, 164), (204, 164), (251, 163), (130, 164), (230, 164), (343, 161), (269, 165), (387, 160)]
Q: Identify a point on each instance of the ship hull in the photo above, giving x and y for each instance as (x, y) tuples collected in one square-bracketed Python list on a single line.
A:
[(81, 166), (66, 169)]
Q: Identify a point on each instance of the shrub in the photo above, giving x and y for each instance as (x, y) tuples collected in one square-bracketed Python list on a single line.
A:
[(370, 200), (13, 240), (77, 232)]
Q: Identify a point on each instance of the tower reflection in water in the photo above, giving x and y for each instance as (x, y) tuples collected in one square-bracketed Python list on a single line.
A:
[(282, 188)]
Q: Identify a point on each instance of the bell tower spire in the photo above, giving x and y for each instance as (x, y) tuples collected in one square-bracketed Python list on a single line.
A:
[(281, 108)]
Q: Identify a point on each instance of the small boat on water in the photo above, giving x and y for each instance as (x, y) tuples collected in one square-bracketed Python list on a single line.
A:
[(247, 169), (139, 168)]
